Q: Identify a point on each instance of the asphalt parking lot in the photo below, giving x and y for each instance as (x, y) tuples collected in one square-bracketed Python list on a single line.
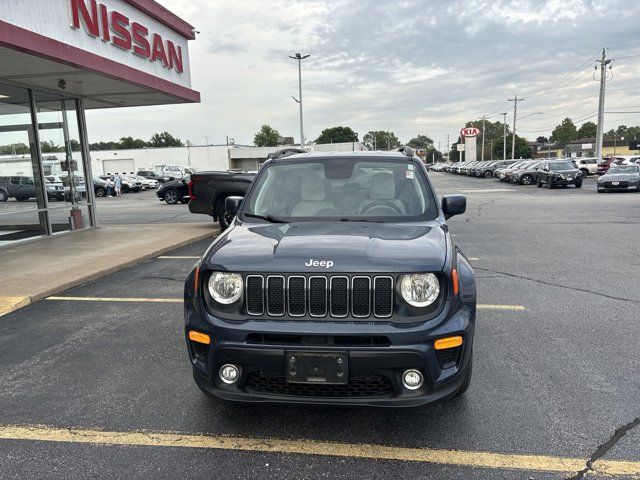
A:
[(99, 386)]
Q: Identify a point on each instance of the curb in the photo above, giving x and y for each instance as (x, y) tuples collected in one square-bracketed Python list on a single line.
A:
[(24, 301)]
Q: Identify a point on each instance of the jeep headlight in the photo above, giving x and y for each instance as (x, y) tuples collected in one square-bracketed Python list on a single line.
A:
[(420, 289), (225, 287)]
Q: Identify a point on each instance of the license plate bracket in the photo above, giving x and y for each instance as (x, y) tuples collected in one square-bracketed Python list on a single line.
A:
[(328, 368)]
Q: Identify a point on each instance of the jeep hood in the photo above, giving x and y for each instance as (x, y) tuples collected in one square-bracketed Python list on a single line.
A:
[(351, 246)]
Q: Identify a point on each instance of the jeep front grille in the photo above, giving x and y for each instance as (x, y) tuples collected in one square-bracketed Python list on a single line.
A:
[(317, 296)]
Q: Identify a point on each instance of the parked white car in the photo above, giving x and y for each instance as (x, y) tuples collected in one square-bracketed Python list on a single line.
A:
[(146, 182), (588, 165), (631, 160)]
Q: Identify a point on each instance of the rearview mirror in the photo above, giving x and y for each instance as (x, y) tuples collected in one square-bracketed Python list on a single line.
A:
[(232, 205), (453, 205)]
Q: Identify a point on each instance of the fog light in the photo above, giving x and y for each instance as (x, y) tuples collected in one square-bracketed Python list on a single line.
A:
[(412, 379), (229, 374)]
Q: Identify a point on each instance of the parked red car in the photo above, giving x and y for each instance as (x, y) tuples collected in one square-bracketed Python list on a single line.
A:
[(605, 164)]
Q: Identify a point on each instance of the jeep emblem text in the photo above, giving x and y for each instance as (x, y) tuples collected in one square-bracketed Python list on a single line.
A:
[(319, 263)]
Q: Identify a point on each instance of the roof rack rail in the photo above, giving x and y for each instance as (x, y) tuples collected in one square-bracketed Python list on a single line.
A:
[(408, 151), (285, 152)]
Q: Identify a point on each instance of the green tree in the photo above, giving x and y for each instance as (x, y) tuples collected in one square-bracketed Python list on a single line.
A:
[(266, 137), (565, 132), (49, 146), (523, 150), (337, 135), (131, 143), (164, 139), (421, 141), (542, 140), (75, 145), (381, 140), (14, 149), (587, 130)]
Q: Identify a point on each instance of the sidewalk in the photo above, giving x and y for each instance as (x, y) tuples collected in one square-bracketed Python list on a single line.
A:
[(36, 270)]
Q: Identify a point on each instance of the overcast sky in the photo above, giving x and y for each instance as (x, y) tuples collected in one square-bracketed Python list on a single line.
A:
[(413, 67)]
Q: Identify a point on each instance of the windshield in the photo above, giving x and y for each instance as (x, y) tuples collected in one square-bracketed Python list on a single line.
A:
[(624, 169), (342, 189), (561, 166)]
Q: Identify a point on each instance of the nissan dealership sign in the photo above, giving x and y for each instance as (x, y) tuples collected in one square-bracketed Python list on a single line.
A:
[(119, 30), (134, 33)]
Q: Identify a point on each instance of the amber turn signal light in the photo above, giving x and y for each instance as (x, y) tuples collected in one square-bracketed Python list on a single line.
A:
[(454, 281), (448, 342), (199, 337)]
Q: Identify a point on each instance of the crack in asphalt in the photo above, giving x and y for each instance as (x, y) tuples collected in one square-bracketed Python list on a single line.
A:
[(603, 449), (551, 284)]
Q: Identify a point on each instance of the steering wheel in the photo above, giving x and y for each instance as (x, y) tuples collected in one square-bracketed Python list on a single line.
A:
[(383, 203)]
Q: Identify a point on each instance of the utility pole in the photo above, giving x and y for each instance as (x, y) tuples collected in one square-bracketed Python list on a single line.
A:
[(504, 136), (491, 148), (515, 110), (299, 58), (482, 154), (448, 148), (603, 80)]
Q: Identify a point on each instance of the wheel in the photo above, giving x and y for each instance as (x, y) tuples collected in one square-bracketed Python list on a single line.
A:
[(224, 220), (171, 196), (3, 196), (539, 184), (467, 377), (549, 184), (584, 172), (126, 189), (488, 174), (101, 192), (602, 190), (60, 197), (578, 184), (526, 180)]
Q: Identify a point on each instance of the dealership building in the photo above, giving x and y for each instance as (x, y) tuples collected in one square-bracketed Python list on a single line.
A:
[(60, 58)]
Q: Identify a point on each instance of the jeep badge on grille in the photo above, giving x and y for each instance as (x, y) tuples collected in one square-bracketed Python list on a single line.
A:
[(319, 263)]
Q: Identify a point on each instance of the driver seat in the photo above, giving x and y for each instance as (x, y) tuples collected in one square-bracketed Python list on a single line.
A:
[(382, 190), (313, 194)]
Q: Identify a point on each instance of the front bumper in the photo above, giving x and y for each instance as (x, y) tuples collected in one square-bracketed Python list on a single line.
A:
[(408, 347)]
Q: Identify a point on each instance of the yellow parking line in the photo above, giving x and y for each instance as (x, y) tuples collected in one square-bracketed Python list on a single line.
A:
[(118, 299), (179, 257), (480, 306), (540, 463), (484, 306)]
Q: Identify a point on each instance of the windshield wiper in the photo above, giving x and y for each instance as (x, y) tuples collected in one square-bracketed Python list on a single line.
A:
[(345, 219), (268, 218)]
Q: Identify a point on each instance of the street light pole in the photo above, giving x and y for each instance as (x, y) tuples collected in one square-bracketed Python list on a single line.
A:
[(504, 136), (603, 81), (299, 58), (484, 117)]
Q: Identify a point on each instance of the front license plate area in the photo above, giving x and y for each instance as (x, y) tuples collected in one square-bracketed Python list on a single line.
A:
[(330, 368)]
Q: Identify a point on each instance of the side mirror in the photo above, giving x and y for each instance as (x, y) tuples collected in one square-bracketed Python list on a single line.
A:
[(453, 205), (232, 205)]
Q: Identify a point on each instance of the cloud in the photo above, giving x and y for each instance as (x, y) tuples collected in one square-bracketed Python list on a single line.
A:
[(415, 67)]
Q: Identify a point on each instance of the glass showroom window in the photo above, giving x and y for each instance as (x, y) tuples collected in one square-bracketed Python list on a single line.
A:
[(22, 200), (62, 162)]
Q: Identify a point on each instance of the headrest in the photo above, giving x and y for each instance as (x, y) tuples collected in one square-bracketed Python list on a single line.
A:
[(313, 189), (383, 187)]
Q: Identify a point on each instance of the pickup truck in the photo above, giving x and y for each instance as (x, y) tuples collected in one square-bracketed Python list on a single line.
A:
[(208, 191)]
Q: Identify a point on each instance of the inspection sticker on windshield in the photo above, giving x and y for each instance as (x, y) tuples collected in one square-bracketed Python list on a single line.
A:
[(409, 173)]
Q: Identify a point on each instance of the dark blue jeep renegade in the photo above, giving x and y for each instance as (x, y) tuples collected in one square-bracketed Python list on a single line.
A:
[(337, 282)]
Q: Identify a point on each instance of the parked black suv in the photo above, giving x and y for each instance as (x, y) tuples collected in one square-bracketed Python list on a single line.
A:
[(558, 173), (20, 187), (338, 282)]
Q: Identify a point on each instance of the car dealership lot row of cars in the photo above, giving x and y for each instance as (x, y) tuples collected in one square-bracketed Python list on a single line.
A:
[(615, 173)]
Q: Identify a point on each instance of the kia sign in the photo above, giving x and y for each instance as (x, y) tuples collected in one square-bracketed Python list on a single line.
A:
[(470, 132)]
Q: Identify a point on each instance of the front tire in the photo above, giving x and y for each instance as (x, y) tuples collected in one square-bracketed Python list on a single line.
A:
[(101, 192), (549, 184), (488, 174), (584, 172), (526, 180), (578, 184), (171, 196), (4, 196)]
